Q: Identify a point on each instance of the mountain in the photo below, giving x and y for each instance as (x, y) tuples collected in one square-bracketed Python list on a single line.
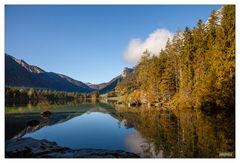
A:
[(30, 68), (97, 86), (126, 72), (110, 86), (21, 74)]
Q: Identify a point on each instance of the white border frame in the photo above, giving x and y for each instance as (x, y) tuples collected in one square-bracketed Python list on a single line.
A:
[(112, 2)]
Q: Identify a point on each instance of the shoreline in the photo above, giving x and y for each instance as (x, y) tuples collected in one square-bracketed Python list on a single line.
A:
[(33, 148)]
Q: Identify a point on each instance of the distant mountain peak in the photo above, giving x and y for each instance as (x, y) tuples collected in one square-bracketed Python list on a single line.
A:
[(109, 86), (88, 83), (96, 86), (126, 71), (30, 68)]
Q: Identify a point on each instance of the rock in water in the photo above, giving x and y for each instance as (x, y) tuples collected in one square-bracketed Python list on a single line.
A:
[(46, 114), (29, 147), (33, 123)]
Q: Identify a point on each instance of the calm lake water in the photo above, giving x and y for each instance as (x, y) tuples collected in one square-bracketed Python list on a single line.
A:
[(148, 132)]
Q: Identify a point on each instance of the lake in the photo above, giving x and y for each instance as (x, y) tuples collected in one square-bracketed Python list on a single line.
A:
[(148, 132)]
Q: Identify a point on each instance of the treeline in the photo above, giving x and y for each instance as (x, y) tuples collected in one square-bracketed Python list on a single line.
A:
[(196, 69), (15, 95)]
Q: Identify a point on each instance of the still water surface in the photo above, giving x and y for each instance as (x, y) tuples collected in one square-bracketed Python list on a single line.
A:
[(89, 130), (148, 132)]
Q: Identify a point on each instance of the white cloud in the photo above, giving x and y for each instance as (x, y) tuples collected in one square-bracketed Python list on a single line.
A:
[(154, 43)]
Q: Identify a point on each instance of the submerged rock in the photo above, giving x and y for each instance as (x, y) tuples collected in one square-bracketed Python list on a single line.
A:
[(46, 114), (33, 123), (32, 148)]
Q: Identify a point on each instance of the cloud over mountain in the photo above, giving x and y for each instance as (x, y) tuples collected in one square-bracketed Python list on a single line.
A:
[(153, 43)]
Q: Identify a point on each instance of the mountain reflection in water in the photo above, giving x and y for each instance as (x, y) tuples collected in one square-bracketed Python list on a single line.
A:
[(148, 132)]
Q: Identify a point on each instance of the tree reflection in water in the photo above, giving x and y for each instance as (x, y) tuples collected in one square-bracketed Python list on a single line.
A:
[(157, 132), (181, 133)]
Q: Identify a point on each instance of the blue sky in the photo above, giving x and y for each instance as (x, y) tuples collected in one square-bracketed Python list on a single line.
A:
[(88, 43)]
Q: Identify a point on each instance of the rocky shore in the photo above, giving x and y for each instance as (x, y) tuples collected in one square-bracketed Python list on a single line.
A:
[(33, 148)]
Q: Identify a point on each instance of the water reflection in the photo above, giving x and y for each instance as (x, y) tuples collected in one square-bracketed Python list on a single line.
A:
[(137, 144), (183, 133), (90, 130), (148, 132)]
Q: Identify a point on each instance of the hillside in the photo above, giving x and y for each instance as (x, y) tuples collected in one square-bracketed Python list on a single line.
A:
[(20, 74)]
